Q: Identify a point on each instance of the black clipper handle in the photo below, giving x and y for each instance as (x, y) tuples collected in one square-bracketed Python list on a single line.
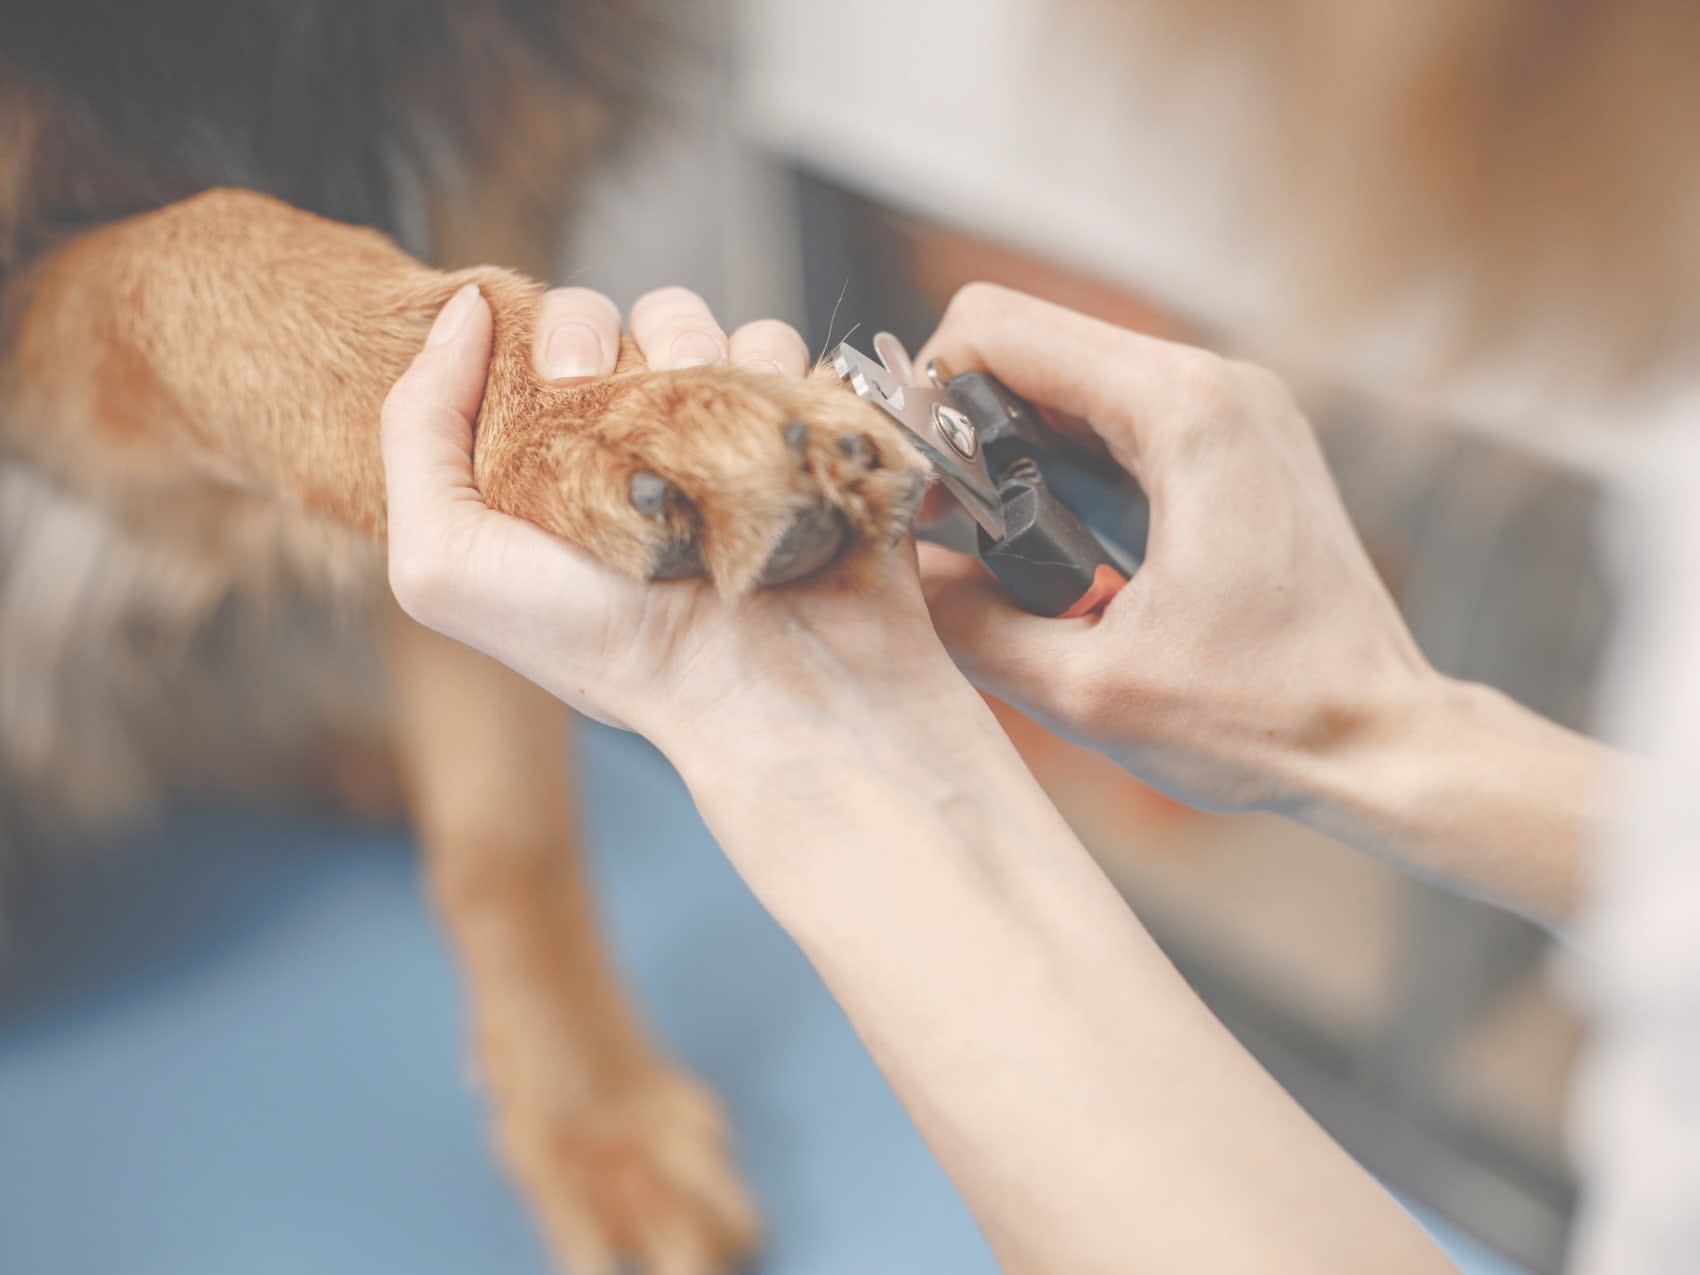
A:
[(1048, 559)]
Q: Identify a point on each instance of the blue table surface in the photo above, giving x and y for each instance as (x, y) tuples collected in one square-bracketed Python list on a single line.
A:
[(236, 1048)]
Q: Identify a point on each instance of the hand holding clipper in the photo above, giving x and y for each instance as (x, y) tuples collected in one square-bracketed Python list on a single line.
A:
[(995, 453)]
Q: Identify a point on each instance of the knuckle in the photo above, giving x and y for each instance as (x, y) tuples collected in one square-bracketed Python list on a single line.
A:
[(974, 301), (1080, 695), (1206, 389), (420, 583), (975, 311), (1064, 690), (1259, 385)]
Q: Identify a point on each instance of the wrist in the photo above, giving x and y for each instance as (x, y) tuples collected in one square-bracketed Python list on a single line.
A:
[(1382, 756), (765, 721), (774, 772), (761, 689), (1457, 781)]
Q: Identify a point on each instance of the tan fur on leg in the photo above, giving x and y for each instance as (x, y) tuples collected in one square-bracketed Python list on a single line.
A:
[(230, 349), (220, 364), (619, 1152)]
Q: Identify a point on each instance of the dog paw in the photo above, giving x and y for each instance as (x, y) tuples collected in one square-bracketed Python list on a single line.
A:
[(745, 478), (640, 1181)]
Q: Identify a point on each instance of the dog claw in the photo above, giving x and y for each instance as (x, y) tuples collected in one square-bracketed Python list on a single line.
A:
[(649, 494), (859, 451), (817, 532), (797, 439), (681, 558)]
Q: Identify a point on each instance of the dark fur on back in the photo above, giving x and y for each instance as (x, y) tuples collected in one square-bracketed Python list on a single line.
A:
[(136, 103)]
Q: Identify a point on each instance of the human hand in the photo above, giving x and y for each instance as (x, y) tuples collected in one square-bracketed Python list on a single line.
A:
[(1256, 643), (662, 658)]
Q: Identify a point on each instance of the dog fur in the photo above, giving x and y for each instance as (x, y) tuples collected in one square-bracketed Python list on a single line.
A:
[(201, 316)]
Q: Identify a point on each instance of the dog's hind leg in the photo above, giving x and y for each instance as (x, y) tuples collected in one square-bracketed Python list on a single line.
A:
[(214, 372), (622, 1155)]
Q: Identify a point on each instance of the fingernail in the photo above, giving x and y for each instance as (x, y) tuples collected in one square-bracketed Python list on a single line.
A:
[(768, 367), (572, 350), (452, 317), (694, 349)]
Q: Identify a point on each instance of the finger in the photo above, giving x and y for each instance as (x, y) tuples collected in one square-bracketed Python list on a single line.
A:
[(426, 436), (675, 329), (936, 505), (577, 335), (999, 646), (426, 422), (1129, 387), (768, 345)]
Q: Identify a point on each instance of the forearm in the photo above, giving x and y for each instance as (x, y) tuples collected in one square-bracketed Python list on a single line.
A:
[(1468, 786), (1095, 1116)]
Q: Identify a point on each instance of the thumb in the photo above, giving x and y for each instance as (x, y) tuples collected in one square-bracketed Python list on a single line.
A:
[(427, 417)]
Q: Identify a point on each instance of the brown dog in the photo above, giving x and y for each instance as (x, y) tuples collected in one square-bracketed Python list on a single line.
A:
[(190, 485)]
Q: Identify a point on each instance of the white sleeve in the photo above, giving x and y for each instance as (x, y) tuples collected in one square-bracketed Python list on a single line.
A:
[(1636, 1118)]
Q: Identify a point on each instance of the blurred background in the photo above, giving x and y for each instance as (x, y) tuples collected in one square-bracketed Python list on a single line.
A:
[(846, 168)]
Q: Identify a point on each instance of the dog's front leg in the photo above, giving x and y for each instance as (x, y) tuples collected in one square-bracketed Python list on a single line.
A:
[(232, 342)]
